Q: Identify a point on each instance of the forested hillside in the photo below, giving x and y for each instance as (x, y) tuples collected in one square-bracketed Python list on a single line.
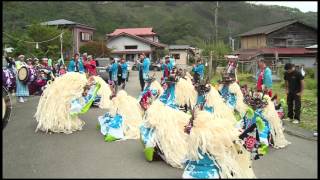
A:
[(175, 22)]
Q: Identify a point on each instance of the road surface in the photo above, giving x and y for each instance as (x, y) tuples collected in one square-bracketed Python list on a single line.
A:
[(84, 154)]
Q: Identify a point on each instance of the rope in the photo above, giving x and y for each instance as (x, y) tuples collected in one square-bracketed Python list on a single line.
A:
[(34, 42)]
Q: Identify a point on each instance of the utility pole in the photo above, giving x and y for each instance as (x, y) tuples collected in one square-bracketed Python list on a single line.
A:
[(216, 21), (210, 66)]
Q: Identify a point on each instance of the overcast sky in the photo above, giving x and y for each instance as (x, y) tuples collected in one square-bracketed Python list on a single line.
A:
[(303, 6)]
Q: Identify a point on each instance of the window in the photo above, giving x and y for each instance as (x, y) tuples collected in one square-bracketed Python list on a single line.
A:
[(130, 47), (85, 36), (279, 42), (176, 56)]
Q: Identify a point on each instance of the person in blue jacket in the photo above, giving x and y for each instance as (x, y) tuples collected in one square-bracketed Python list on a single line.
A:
[(124, 73), (264, 78), (198, 70), (166, 67), (76, 65), (143, 67)]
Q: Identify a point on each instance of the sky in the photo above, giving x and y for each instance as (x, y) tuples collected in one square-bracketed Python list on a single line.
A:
[(303, 6)]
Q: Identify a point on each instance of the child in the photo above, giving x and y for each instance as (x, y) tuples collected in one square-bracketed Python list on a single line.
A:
[(278, 106), (62, 70)]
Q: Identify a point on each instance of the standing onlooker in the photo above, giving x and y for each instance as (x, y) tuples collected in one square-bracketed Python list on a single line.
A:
[(264, 78), (198, 70), (84, 57), (166, 67), (76, 65), (22, 88), (124, 73), (303, 73), (143, 67), (62, 70), (294, 89), (113, 73), (90, 66)]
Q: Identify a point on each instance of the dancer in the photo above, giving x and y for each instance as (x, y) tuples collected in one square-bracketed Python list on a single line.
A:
[(21, 87), (62, 101)]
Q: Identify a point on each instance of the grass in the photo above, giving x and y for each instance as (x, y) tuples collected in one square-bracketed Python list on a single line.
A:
[(309, 110)]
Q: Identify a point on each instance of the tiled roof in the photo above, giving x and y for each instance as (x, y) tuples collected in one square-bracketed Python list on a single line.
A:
[(266, 29), (179, 46), (64, 22), (134, 31), (247, 54), (138, 38)]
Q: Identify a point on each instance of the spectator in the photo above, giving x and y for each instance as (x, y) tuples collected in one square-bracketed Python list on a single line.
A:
[(113, 72), (264, 78), (198, 70), (90, 66), (62, 69), (124, 73), (294, 89), (84, 57), (143, 66), (166, 67), (75, 65)]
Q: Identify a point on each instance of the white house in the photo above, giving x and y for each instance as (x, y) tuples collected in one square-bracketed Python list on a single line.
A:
[(182, 53), (129, 43)]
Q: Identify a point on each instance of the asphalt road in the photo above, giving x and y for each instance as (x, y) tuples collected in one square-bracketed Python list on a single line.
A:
[(84, 154)]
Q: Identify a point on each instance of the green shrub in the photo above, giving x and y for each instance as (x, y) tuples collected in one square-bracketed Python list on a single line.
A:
[(310, 83), (310, 72)]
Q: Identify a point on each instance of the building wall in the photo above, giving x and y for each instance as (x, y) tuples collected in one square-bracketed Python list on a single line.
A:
[(309, 62), (119, 44), (151, 38), (251, 42), (183, 56), (77, 36), (294, 35)]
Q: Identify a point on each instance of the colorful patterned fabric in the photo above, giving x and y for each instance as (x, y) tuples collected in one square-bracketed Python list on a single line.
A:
[(111, 125), (201, 101), (229, 98), (205, 168), (168, 97)]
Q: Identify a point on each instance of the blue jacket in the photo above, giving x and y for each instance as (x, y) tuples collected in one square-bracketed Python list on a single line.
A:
[(124, 68), (114, 71), (199, 69), (145, 68), (172, 62), (267, 77), (71, 67)]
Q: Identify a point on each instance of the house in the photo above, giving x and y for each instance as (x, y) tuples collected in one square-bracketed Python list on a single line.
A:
[(81, 33), (182, 53), (278, 43), (130, 42)]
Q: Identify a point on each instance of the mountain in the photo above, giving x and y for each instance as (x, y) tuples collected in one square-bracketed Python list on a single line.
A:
[(176, 22)]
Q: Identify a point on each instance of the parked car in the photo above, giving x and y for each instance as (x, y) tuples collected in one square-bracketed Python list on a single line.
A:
[(103, 64), (155, 66)]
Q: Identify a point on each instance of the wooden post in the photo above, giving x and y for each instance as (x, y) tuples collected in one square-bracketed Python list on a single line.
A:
[(210, 65)]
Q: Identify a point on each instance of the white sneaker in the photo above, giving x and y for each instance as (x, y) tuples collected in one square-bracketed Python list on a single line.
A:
[(21, 99), (287, 119), (295, 122)]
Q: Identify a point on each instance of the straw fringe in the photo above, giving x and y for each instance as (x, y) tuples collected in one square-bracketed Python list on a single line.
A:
[(185, 91), (104, 92), (215, 137), (169, 132), (54, 105), (129, 108)]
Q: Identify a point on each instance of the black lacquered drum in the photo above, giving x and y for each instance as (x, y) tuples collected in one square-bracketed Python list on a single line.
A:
[(6, 107), (23, 74)]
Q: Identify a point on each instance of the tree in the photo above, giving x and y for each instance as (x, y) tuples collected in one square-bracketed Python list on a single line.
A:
[(219, 50), (20, 41), (96, 48)]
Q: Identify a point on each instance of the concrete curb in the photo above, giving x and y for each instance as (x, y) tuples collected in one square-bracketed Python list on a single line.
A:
[(298, 132)]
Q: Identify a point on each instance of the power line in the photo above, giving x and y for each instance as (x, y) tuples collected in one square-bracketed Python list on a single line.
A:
[(34, 42)]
